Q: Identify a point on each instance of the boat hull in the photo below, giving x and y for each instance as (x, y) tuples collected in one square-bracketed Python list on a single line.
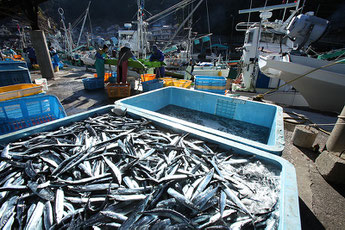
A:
[(323, 89)]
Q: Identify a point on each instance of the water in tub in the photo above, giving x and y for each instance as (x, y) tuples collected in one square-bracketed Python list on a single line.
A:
[(239, 128)]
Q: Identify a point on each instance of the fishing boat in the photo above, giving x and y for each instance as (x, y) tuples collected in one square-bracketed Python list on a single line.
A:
[(278, 50), (262, 37), (323, 89), (209, 69), (265, 37)]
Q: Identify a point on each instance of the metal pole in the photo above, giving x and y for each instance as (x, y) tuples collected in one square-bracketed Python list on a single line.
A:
[(336, 141), (189, 46), (82, 27), (70, 43), (67, 44), (232, 26), (208, 25), (182, 24), (88, 39), (285, 11)]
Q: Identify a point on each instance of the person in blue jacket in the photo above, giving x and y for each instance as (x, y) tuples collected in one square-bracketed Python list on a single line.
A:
[(32, 55), (157, 55), (55, 57), (99, 63)]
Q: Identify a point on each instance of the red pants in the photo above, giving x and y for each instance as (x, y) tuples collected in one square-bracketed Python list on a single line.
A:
[(122, 72)]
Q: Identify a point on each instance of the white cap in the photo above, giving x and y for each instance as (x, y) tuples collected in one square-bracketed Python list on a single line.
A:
[(128, 45)]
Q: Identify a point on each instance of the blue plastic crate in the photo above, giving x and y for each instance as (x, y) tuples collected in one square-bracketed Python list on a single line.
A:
[(93, 83), (289, 216), (261, 114), (210, 84), (210, 81), (151, 85), (12, 65), (217, 91), (29, 111), (14, 72)]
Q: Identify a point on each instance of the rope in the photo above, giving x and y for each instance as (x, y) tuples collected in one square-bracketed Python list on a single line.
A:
[(340, 56), (327, 124), (309, 48), (170, 10), (260, 96), (304, 119)]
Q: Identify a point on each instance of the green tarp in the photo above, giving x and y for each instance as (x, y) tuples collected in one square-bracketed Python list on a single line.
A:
[(333, 54), (139, 64)]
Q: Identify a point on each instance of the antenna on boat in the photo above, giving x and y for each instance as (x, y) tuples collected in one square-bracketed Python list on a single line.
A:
[(268, 8)]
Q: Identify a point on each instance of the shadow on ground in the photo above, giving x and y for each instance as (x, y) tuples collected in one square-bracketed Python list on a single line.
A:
[(97, 95), (340, 188), (84, 97), (308, 219), (312, 155)]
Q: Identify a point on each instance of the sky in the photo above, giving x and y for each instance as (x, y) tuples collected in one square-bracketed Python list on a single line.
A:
[(223, 14)]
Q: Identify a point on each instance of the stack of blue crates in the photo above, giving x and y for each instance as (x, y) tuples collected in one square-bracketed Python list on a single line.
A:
[(211, 84), (152, 85), (14, 72)]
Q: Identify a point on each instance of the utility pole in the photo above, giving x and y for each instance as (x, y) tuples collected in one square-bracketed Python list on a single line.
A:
[(39, 42), (336, 141), (70, 36)]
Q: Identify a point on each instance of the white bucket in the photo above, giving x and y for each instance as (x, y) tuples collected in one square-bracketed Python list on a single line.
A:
[(42, 82)]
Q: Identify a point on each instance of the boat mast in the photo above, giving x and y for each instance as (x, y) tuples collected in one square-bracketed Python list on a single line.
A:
[(82, 27), (141, 29), (189, 45), (182, 24), (68, 40), (208, 25)]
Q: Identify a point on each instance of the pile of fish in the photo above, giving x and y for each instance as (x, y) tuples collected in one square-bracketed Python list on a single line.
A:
[(112, 171)]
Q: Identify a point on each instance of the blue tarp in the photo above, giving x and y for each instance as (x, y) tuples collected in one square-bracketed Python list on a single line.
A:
[(206, 39), (220, 46)]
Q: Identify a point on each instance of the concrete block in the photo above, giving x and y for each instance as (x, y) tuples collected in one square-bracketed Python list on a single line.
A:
[(39, 43), (331, 167), (289, 126), (304, 136)]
